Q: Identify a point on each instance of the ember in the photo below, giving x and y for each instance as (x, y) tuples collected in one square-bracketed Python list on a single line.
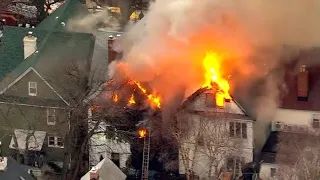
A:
[(115, 97)]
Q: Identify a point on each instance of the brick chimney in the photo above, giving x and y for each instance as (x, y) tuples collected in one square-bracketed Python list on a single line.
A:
[(29, 44), (303, 83), (94, 174)]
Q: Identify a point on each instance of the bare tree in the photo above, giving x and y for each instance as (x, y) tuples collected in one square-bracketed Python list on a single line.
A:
[(298, 156), (78, 85)]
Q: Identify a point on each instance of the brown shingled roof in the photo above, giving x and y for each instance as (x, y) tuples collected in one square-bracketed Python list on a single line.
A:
[(290, 100)]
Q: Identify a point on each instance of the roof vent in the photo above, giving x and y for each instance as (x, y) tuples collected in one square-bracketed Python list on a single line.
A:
[(63, 24), (3, 163), (118, 35)]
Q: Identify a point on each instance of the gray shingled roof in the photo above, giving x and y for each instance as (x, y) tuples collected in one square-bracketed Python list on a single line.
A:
[(15, 171)]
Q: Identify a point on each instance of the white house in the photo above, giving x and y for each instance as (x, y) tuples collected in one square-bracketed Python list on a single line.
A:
[(219, 139), (299, 111)]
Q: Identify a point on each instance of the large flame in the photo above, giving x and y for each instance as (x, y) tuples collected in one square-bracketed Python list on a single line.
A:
[(212, 65)]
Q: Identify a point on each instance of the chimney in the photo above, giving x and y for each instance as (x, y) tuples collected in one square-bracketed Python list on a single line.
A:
[(3, 163), (94, 174), (30, 44), (303, 83)]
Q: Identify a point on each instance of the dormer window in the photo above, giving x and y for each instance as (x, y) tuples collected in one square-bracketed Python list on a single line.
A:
[(32, 89)]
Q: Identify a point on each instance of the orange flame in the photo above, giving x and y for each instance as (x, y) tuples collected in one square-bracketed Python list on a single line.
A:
[(131, 100), (151, 97), (142, 133), (212, 67), (115, 97)]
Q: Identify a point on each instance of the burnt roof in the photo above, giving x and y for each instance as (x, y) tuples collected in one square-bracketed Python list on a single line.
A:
[(311, 59)]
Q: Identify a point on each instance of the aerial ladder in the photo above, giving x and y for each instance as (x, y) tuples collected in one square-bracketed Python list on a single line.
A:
[(146, 135)]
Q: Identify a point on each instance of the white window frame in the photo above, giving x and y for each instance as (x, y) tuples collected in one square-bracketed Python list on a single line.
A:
[(32, 85), (55, 142), (49, 115), (241, 130)]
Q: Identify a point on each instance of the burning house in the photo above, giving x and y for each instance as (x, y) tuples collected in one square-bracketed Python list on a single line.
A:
[(219, 140)]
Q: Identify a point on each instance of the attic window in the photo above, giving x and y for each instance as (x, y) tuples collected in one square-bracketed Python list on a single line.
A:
[(32, 89), (210, 100)]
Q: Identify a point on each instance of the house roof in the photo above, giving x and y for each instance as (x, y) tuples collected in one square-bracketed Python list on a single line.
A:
[(200, 91), (15, 171), (310, 58), (269, 150), (55, 49), (70, 9)]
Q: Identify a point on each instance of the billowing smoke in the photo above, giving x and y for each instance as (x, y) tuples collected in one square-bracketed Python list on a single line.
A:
[(89, 23), (166, 48), (255, 38)]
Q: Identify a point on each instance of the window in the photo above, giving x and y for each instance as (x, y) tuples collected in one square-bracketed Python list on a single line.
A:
[(32, 89), (51, 141), (200, 141), (273, 172), (115, 158), (55, 141), (59, 142), (238, 130), (316, 123), (210, 100), (51, 116), (234, 164)]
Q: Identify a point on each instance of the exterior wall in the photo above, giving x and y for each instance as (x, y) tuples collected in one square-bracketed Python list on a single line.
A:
[(265, 171), (105, 147), (31, 118), (220, 125), (297, 117), (21, 88), (238, 147)]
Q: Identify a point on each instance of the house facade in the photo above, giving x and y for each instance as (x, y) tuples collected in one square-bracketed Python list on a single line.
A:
[(299, 111), (218, 141), (35, 88)]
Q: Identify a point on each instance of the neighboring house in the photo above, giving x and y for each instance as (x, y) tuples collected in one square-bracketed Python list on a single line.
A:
[(299, 111), (219, 139), (105, 170), (34, 87), (10, 169)]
